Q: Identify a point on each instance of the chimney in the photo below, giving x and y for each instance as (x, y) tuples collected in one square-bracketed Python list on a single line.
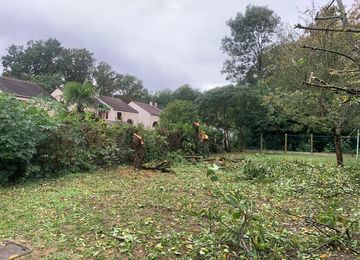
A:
[(155, 104), (151, 103)]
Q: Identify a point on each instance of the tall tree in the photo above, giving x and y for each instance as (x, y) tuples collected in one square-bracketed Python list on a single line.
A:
[(48, 63), (251, 34), (163, 97), (186, 92), (78, 64), (38, 58), (178, 113), (247, 112), (215, 108), (318, 109), (131, 87), (330, 36), (105, 77)]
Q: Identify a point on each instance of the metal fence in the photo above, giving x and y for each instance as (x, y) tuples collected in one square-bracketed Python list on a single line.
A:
[(307, 143)]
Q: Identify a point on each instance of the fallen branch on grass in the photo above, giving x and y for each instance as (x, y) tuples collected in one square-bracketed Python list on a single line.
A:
[(163, 166)]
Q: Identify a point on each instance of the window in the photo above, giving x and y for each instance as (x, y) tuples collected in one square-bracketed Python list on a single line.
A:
[(119, 115), (155, 124), (103, 115), (130, 122)]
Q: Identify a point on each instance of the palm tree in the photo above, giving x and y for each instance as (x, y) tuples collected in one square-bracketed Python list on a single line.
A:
[(80, 94)]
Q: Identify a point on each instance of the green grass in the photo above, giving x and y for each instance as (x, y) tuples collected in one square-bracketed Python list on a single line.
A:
[(119, 213), (328, 158)]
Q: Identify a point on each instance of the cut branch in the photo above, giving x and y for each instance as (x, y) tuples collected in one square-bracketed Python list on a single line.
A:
[(345, 30), (330, 51)]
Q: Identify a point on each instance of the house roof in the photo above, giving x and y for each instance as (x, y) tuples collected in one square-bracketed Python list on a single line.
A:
[(117, 104), (149, 108), (22, 88)]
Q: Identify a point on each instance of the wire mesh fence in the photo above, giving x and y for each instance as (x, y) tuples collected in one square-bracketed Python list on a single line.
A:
[(307, 143)]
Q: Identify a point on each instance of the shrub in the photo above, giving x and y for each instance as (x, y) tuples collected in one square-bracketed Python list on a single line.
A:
[(22, 128)]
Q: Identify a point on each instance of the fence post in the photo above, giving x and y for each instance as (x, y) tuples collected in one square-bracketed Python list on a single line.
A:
[(357, 144), (286, 140), (311, 143), (261, 142)]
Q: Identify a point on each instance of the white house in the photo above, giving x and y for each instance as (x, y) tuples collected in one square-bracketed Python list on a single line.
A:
[(118, 110), (57, 94), (148, 114)]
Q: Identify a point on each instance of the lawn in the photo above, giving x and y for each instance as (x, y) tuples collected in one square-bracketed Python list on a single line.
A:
[(296, 208)]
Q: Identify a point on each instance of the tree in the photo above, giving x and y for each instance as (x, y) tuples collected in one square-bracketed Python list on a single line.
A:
[(38, 58), (81, 95), (251, 34), (105, 77), (131, 87), (163, 97), (78, 64), (48, 81), (331, 35), (178, 113), (186, 92), (318, 109), (215, 108), (247, 112), (41, 60)]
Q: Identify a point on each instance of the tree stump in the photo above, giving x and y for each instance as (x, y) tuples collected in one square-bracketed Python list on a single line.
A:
[(138, 144)]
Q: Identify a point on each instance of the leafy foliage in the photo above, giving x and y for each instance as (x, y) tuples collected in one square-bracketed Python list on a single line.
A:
[(131, 87), (178, 113), (23, 127), (186, 92), (251, 34), (81, 95)]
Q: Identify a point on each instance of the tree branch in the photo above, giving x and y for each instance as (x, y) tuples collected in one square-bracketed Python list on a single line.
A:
[(330, 4), (330, 51), (345, 30), (354, 92), (344, 71), (327, 18)]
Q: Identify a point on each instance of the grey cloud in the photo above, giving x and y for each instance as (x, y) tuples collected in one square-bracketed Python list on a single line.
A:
[(166, 43)]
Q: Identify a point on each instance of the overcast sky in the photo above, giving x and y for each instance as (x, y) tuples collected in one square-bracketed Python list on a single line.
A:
[(166, 43)]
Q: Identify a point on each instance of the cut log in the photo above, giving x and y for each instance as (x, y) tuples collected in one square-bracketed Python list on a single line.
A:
[(138, 144)]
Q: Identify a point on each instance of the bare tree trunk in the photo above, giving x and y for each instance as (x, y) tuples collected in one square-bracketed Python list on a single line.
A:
[(240, 139), (338, 150), (226, 141)]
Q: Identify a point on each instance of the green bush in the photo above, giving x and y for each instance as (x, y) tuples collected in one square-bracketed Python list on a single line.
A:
[(22, 128), (34, 144)]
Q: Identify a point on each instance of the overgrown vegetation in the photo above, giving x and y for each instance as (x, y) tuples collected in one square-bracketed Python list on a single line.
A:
[(298, 209), (35, 144)]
